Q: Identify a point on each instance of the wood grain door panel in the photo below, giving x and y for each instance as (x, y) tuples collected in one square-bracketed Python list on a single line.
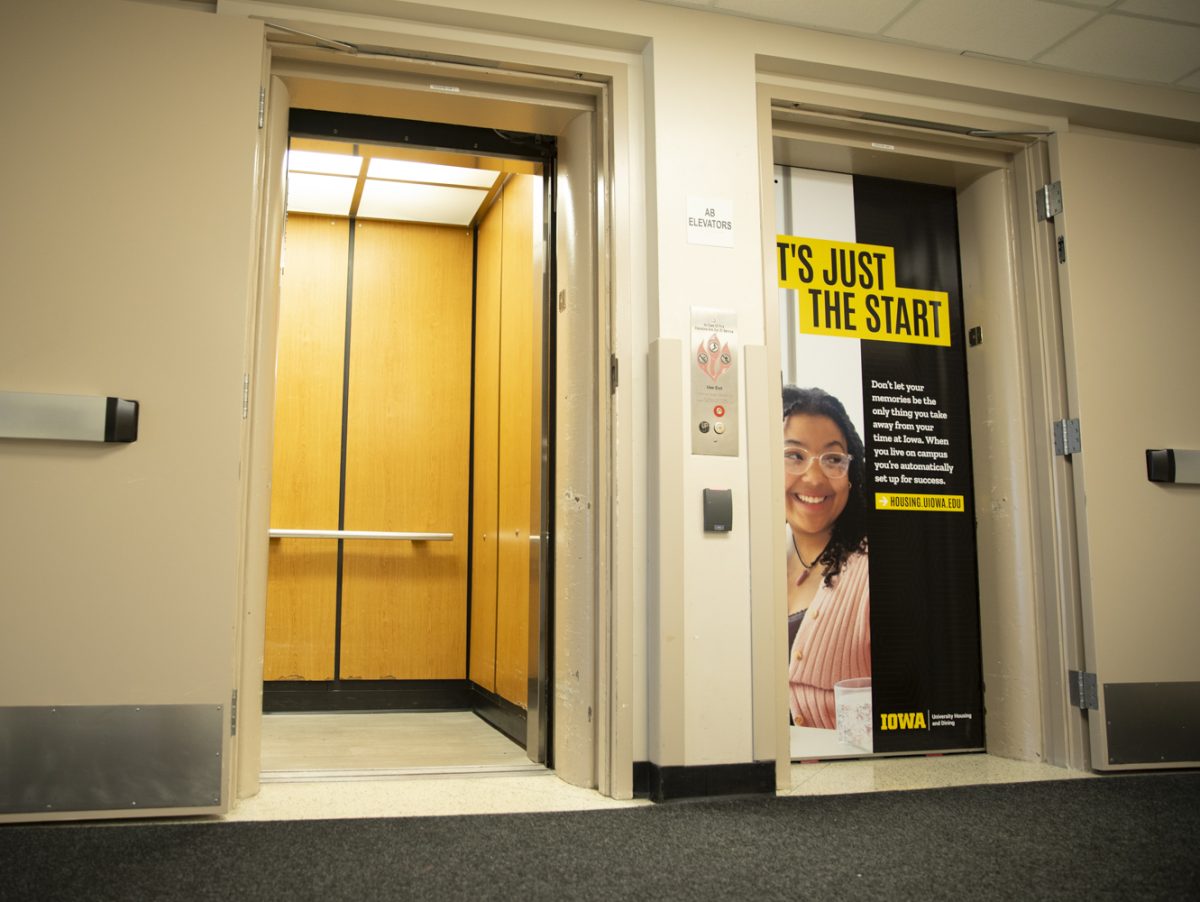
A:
[(302, 573), (408, 440)]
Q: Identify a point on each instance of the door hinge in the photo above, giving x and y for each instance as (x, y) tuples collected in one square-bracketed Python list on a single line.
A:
[(1049, 201), (245, 395), (233, 715), (613, 373), (262, 106), (1067, 440), (1081, 689)]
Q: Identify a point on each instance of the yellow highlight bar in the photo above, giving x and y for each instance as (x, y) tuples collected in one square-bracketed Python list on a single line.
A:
[(892, 501), (850, 290)]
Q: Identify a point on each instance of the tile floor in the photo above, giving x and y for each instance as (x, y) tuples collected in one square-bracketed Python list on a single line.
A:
[(294, 790), (307, 747)]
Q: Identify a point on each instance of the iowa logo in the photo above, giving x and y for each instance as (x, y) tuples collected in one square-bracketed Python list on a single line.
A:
[(906, 720)]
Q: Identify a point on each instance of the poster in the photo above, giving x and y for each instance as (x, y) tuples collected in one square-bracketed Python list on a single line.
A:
[(883, 608)]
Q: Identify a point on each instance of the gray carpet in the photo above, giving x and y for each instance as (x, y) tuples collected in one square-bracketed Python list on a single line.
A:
[(1117, 837)]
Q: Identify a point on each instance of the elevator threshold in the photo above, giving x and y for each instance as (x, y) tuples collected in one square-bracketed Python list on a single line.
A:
[(401, 773), (349, 746)]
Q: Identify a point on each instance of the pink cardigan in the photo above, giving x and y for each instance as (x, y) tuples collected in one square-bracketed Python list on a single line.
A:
[(833, 643)]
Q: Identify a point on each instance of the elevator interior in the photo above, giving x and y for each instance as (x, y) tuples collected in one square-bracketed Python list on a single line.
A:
[(409, 463)]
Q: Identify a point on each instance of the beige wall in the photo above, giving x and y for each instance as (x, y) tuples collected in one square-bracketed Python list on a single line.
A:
[(153, 306)]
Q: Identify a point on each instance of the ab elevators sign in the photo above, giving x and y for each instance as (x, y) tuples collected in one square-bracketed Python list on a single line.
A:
[(710, 221)]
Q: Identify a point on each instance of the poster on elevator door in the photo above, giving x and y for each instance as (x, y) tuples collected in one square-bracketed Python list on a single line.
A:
[(883, 611)]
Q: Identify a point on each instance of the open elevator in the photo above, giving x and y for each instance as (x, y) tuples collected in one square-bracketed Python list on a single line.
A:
[(409, 522)]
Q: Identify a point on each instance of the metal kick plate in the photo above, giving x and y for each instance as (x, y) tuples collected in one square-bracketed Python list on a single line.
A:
[(110, 757), (1153, 723)]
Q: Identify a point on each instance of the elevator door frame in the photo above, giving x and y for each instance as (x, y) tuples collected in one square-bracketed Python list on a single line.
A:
[(804, 124), (579, 120), (531, 731)]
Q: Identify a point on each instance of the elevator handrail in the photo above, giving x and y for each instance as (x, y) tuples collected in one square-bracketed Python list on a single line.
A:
[(360, 534)]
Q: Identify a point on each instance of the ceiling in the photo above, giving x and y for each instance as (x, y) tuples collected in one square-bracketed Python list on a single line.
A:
[(1145, 41), (364, 181)]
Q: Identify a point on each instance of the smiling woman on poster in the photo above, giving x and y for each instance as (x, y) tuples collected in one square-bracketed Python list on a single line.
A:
[(829, 617)]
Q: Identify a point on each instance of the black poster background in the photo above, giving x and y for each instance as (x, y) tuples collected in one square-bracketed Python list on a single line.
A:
[(925, 649)]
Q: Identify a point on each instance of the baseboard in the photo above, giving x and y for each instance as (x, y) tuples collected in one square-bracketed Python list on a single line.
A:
[(502, 714), (641, 779), (366, 695), (702, 781)]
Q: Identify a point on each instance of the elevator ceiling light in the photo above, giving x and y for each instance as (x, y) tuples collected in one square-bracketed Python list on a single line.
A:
[(325, 163), (430, 173), (419, 203), (330, 195)]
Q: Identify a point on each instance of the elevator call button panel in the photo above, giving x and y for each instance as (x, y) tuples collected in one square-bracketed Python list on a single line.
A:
[(714, 382)]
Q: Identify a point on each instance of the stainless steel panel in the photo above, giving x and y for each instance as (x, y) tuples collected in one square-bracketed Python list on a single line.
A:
[(44, 416), (110, 757), (537, 719)]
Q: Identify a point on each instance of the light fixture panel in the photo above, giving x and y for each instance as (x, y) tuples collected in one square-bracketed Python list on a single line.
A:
[(431, 173), (324, 163), (323, 194), (419, 203)]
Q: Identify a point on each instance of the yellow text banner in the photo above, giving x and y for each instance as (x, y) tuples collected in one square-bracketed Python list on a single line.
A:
[(850, 290), (896, 501)]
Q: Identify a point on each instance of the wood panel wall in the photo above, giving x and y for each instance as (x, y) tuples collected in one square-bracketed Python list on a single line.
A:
[(302, 574), (404, 604), (408, 439)]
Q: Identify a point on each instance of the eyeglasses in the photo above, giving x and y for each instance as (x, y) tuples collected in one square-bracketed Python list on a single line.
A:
[(797, 462)]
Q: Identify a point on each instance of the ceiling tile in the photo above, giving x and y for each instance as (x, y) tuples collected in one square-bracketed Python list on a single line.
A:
[(419, 203), (1125, 47), (1015, 29), (1176, 10), (855, 16)]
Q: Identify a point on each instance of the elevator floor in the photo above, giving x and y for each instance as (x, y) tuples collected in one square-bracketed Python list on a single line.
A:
[(369, 746)]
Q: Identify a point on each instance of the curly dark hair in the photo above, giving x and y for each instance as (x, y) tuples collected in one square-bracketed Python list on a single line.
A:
[(850, 529)]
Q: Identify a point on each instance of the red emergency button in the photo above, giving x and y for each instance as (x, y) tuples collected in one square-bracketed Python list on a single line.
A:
[(719, 411)]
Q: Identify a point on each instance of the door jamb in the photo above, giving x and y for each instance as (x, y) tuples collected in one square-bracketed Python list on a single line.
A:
[(597, 91), (1043, 357)]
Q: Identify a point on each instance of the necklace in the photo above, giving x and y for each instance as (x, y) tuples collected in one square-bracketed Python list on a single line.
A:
[(800, 557)]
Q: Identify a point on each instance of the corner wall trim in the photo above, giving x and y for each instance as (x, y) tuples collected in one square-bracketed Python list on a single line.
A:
[(704, 780)]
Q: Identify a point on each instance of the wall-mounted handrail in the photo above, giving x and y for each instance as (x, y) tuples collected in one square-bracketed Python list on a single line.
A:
[(359, 534)]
